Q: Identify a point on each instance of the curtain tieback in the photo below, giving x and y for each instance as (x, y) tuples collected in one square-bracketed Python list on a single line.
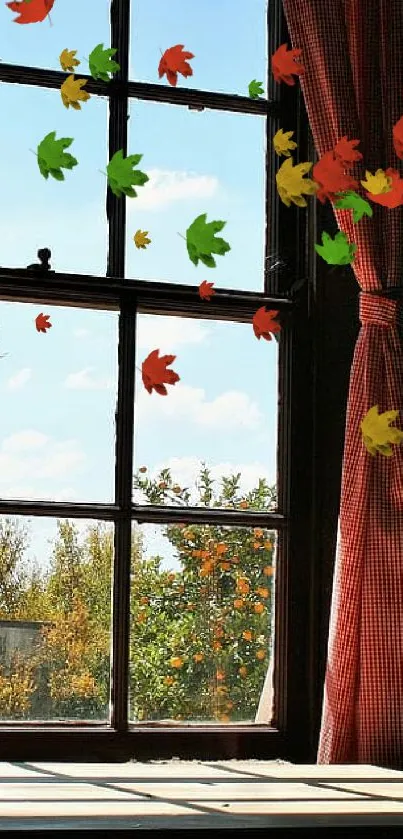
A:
[(378, 310)]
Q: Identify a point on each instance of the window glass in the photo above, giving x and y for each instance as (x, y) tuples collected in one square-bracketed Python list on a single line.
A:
[(201, 622), (76, 25), (58, 390), (68, 217), (55, 616), (227, 39), (212, 439), (208, 162)]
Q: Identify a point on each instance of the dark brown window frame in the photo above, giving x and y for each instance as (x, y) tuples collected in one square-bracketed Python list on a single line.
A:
[(287, 232)]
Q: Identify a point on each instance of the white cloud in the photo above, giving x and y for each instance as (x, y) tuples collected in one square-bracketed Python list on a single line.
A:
[(29, 455), (185, 471), (231, 409), (84, 380), (167, 333), (165, 186), (20, 379)]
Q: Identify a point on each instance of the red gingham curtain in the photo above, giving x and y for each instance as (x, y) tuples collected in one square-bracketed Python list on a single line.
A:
[(352, 51)]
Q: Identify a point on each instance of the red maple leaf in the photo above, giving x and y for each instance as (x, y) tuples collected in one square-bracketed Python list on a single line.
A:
[(264, 324), (154, 372), (32, 12), (283, 65), (329, 173), (206, 290), (398, 138), (42, 322), (173, 62), (345, 152), (393, 198)]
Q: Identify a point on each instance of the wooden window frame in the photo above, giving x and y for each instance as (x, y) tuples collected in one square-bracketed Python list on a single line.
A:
[(287, 232)]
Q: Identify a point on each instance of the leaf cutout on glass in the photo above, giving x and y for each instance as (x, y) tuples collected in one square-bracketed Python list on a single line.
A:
[(377, 433), (155, 373), (174, 61), (284, 65), (122, 175), (72, 92), (52, 157), (33, 12), (337, 251), (102, 64), (202, 242)]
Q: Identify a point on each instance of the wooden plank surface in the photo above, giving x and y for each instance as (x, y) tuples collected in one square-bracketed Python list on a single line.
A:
[(195, 794)]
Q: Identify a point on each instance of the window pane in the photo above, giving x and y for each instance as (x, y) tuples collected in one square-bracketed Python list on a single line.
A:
[(222, 413), (201, 623), (208, 162), (227, 39), (68, 217), (55, 618), (76, 25), (58, 390)]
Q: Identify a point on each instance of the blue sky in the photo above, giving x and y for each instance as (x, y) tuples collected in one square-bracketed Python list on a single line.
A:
[(59, 390)]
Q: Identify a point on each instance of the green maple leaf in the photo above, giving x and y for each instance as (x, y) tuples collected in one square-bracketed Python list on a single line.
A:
[(101, 63), (52, 157), (201, 241), (337, 251), (255, 89), (352, 201), (122, 176)]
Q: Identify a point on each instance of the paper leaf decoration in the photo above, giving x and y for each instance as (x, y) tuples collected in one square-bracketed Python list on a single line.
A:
[(337, 251), (398, 138), (292, 184), (329, 174), (378, 183), (155, 373), (52, 157), (282, 143), (174, 61), (32, 12), (393, 196), (377, 434), (284, 65), (264, 325), (353, 201), (102, 64), (206, 290), (140, 239), (68, 61), (72, 92), (202, 242), (255, 89), (122, 176), (346, 152), (42, 322)]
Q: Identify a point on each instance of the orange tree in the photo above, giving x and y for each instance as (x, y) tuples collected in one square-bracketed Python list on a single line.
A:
[(200, 638)]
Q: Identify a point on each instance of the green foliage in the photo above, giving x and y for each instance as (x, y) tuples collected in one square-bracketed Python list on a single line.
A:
[(122, 175), (101, 63), (52, 157), (202, 242)]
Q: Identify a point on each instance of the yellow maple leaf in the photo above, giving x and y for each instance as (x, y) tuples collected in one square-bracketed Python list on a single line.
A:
[(377, 184), (140, 239), (377, 433), (72, 93), (282, 143), (292, 185), (68, 61)]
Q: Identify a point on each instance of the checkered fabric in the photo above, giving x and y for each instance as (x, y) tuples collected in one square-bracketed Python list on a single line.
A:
[(353, 85)]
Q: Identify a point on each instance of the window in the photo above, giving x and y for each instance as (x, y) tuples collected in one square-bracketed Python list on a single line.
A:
[(154, 550)]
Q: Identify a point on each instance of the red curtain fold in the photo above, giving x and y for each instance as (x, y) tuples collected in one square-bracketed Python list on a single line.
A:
[(353, 85)]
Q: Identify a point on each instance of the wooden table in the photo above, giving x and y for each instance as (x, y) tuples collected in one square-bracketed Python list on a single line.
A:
[(249, 796)]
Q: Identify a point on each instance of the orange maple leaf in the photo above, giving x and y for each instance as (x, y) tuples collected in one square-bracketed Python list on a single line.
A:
[(345, 152), (32, 12), (264, 324), (206, 290), (154, 372), (393, 198), (42, 322), (283, 65), (173, 62), (398, 138), (329, 173)]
